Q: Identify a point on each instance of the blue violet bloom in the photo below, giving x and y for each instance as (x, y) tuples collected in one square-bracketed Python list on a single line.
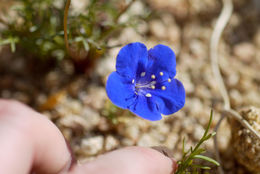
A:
[(144, 81)]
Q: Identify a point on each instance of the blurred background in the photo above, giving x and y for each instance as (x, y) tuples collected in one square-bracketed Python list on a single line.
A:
[(69, 87)]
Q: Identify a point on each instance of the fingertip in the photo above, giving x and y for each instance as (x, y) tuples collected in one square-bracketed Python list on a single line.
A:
[(35, 132), (168, 153), (129, 160)]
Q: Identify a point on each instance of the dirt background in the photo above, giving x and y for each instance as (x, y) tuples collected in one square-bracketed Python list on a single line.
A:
[(78, 105)]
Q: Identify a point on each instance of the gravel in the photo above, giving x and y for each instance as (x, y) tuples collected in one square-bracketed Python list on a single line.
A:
[(80, 108)]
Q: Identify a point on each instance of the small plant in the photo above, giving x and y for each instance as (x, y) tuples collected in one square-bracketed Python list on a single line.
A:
[(186, 164), (35, 28)]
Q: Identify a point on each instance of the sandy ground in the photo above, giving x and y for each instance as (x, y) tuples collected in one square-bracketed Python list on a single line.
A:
[(80, 108)]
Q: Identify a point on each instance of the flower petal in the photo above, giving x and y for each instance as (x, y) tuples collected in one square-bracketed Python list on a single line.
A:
[(146, 108), (171, 99), (162, 60), (120, 90), (132, 59)]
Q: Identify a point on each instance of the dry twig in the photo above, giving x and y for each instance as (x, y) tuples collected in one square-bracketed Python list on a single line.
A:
[(228, 111), (65, 18)]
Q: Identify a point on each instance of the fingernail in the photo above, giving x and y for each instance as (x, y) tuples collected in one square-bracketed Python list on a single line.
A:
[(164, 150), (168, 153)]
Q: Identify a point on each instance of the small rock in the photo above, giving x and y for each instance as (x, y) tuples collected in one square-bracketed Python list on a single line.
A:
[(245, 52), (185, 78), (236, 98), (52, 79), (132, 132), (246, 146), (91, 117), (127, 142), (172, 140), (188, 125), (73, 122), (137, 8), (93, 145), (96, 97), (142, 27), (179, 8), (147, 140), (104, 124), (129, 35), (111, 143), (198, 132), (158, 29)]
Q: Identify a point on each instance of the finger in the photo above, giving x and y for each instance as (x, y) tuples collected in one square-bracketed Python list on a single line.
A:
[(130, 160), (29, 141)]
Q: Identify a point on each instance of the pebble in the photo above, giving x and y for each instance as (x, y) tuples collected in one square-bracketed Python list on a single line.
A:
[(148, 140), (184, 25), (245, 145), (92, 146), (158, 29), (92, 118), (172, 140), (96, 97), (111, 143), (245, 52)]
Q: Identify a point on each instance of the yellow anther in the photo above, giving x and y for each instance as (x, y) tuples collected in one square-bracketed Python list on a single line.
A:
[(169, 80), (133, 81), (163, 87), (142, 74), (161, 73), (153, 87), (148, 95), (153, 76)]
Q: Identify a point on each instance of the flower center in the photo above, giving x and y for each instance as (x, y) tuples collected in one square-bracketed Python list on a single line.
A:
[(152, 84), (139, 86)]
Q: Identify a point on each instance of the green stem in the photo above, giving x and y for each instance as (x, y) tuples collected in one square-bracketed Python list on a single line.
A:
[(186, 161), (66, 11), (107, 33)]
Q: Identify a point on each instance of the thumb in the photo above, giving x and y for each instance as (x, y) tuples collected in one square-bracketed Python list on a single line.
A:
[(129, 160)]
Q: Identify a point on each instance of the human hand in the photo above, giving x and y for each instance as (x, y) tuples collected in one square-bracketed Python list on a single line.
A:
[(30, 143)]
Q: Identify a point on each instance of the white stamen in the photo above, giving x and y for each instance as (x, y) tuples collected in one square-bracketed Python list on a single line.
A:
[(133, 81), (148, 95), (153, 82), (169, 80), (163, 87), (161, 73), (142, 74), (153, 76), (153, 87)]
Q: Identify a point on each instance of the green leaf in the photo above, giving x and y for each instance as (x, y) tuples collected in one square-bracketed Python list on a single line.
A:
[(11, 40), (201, 167), (4, 42), (13, 47), (210, 120), (86, 45), (207, 159), (183, 146), (213, 134)]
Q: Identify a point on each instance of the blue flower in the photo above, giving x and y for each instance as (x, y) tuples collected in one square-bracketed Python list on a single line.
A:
[(144, 81)]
